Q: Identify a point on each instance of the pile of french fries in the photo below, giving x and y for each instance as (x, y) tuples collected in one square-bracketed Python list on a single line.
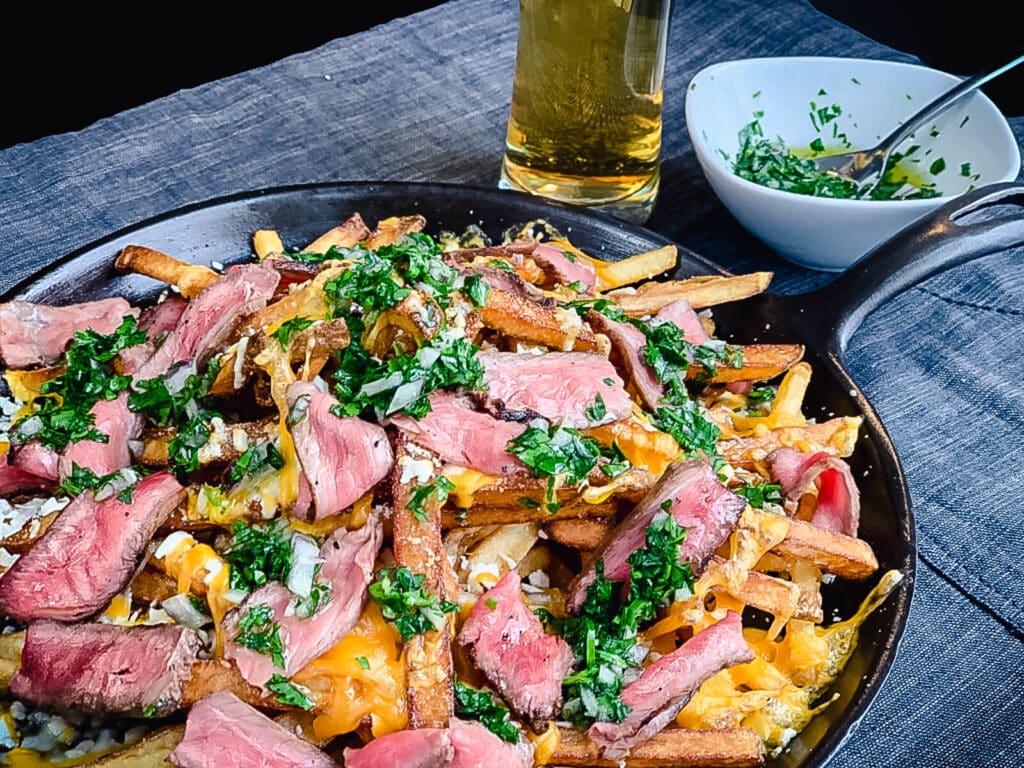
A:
[(772, 563)]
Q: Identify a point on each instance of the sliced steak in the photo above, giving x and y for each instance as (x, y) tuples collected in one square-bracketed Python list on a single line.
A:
[(106, 668), (36, 334), (222, 731), (157, 321), (681, 315), (463, 436), (508, 644), (565, 268), (559, 386), (838, 507), (211, 316), (698, 502), (420, 748), (628, 344), (88, 554), (349, 558), (342, 458), (664, 687), (464, 744), (113, 419), (36, 459), (15, 480)]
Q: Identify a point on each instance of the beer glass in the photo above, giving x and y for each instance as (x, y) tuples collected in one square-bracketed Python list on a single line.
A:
[(585, 121)]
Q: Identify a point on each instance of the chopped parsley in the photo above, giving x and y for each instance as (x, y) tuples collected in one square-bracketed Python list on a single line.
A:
[(597, 411), (289, 328), (476, 290), (937, 167), (482, 706), (259, 632), (255, 459), (491, 603), (363, 662), (606, 307), (439, 490), (689, 424), (758, 495), (761, 398), (61, 414), (556, 452), (603, 636), (405, 603), (288, 693), (259, 554)]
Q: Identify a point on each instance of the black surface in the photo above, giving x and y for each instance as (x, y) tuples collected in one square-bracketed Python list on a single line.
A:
[(221, 231)]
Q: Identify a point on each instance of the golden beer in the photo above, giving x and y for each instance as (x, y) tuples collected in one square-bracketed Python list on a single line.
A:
[(585, 121)]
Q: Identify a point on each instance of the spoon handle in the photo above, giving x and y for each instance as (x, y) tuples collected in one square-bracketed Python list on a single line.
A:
[(942, 102)]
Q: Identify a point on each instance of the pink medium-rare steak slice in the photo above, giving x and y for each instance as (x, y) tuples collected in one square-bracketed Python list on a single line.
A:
[(341, 458), (681, 315), (222, 731), (558, 386), (37, 334), (463, 436), (349, 557), (88, 554), (464, 744), (106, 668), (508, 644), (838, 507), (565, 268), (664, 687), (211, 316), (628, 343), (697, 501), (113, 419)]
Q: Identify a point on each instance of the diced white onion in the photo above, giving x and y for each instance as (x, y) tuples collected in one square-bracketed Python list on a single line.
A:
[(235, 595), (305, 559), (180, 609), (372, 388), (171, 543), (405, 395)]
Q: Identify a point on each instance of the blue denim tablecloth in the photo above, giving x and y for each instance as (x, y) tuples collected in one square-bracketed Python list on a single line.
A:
[(426, 98)]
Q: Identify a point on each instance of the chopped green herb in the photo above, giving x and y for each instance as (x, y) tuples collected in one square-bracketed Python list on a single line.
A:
[(363, 662), (597, 411), (288, 693), (689, 424), (556, 452), (256, 459), (62, 414), (125, 496), (606, 307), (259, 554), (476, 289), (259, 632), (405, 603), (937, 167), (528, 503), (758, 495), (289, 328), (855, 81), (818, 145), (149, 711), (761, 397), (570, 256), (608, 382), (482, 706), (439, 490), (964, 121), (491, 603), (965, 169)]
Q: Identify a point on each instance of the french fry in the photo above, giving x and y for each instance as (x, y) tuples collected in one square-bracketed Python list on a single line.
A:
[(768, 593), (836, 436), (418, 546), (642, 266), (389, 231), (22, 539), (346, 235), (517, 317), (150, 752), (190, 279), (10, 657), (672, 748), (213, 675), (583, 534), (494, 555), (699, 292), (761, 362), (265, 243), (833, 552), (226, 448)]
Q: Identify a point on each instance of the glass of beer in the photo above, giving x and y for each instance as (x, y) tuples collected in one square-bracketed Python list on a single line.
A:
[(585, 122)]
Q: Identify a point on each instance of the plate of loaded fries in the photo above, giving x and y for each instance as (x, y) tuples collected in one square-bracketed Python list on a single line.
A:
[(378, 474)]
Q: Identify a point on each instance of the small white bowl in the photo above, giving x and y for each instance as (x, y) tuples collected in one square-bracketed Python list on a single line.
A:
[(874, 96)]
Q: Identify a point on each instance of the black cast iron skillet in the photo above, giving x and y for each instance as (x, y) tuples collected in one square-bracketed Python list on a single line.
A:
[(823, 321)]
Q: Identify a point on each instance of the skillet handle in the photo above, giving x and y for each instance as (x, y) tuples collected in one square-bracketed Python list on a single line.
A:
[(930, 245)]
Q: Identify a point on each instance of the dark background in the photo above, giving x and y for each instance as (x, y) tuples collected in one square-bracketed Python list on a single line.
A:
[(63, 72)]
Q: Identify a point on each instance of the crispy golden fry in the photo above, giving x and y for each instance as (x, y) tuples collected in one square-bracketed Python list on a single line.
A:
[(306, 301), (150, 585), (517, 317), (224, 448), (265, 243), (10, 657), (699, 292), (583, 534), (642, 266), (26, 383), (768, 593), (150, 752), (213, 675), (495, 554), (761, 362), (418, 546), (347, 234), (416, 318), (506, 515), (19, 541), (389, 231), (836, 436), (672, 748), (833, 552), (189, 278)]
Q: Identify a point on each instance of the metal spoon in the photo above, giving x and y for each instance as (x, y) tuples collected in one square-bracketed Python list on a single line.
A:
[(865, 167)]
